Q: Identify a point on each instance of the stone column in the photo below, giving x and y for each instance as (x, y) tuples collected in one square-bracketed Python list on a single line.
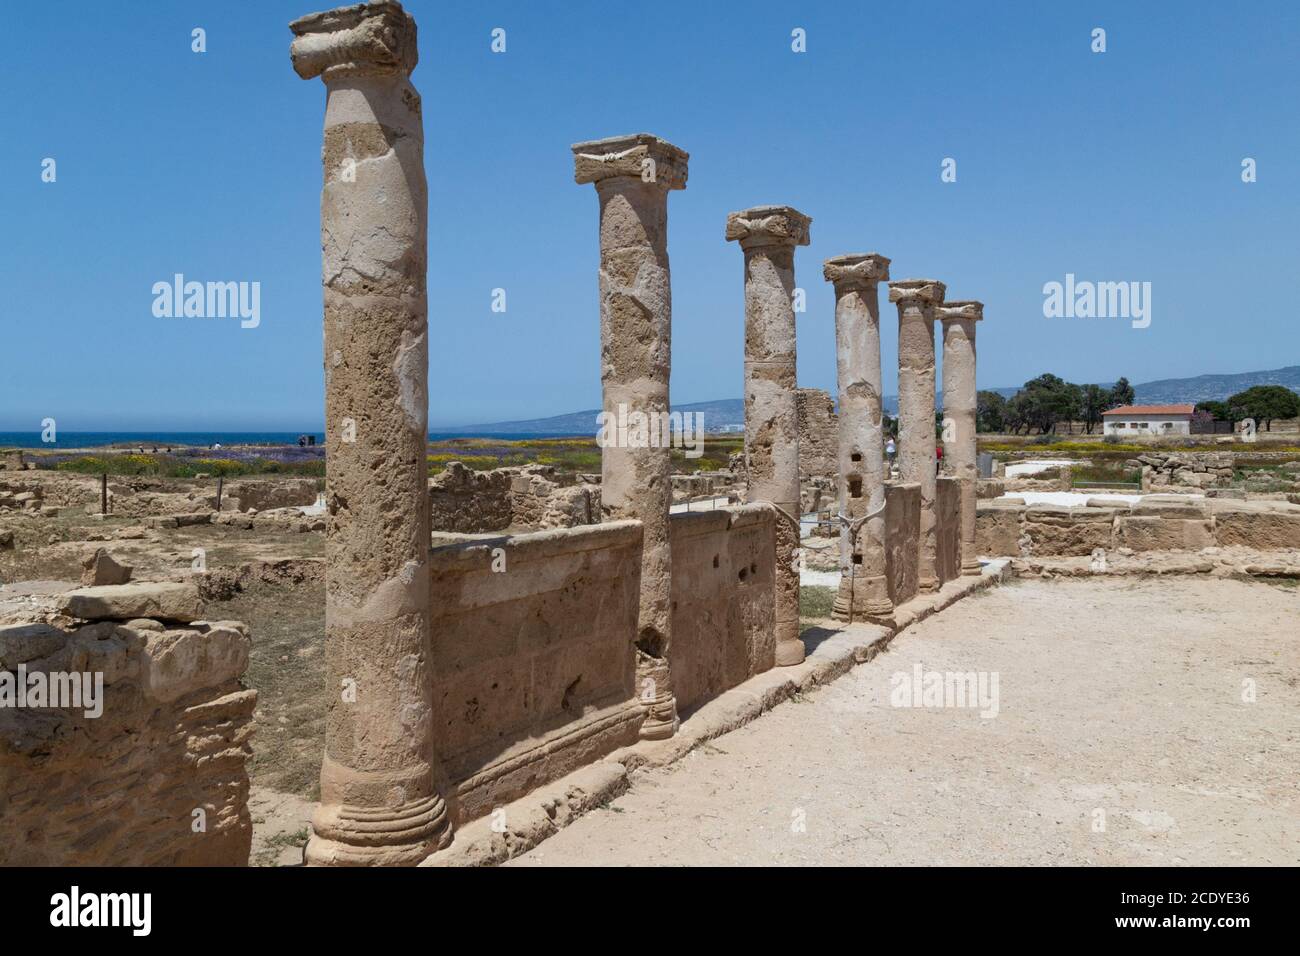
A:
[(379, 803), (916, 299), (864, 588), (633, 176), (768, 235), (959, 320)]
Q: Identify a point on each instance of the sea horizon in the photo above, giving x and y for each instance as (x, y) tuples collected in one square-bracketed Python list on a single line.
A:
[(161, 439)]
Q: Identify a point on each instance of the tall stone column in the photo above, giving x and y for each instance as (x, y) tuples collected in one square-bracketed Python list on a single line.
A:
[(916, 300), (958, 319), (768, 235), (633, 176), (864, 588), (379, 803)]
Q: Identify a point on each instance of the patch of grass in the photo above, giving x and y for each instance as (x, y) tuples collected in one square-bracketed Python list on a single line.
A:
[(296, 838), (566, 454), (815, 602), (171, 466), (1103, 474)]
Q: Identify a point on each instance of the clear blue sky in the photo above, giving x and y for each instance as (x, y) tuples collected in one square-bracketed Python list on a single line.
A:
[(1117, 166)]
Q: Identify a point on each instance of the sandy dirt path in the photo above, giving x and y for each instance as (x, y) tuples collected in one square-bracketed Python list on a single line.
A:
[(1121, 737)]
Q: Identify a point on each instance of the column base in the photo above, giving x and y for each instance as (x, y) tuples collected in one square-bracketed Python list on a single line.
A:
[(661, 720), (789, 653), (378, 836), (927, 585), (855, 600), (970, 569)]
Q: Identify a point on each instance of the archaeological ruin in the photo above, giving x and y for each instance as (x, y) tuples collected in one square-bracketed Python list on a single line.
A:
[(518, 640)]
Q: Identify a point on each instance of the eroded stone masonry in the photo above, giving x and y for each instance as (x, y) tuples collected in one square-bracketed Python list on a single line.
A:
[(489, 635)]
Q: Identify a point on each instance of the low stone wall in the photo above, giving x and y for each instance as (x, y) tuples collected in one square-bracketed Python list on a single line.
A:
[(902, 540), (819, 441), (539, 501), (158, 778), (722, 592), (947, 529), (464, 501), (1184, 469), (264, 495), (532, 657), (1004, 529), (532, 497), (21, 496)]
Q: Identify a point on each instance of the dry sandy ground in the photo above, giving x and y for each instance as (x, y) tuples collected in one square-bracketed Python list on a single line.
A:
[(1121, 737)]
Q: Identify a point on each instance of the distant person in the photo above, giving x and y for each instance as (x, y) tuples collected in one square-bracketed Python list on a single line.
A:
[(890, 450), (938, 458)]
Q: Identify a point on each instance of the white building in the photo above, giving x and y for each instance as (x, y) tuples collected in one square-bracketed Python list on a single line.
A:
[(1133, 420)]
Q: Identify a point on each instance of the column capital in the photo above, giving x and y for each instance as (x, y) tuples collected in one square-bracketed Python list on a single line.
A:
[(856, 269), (960, 310), (600, 159), (768, 226), (364, 39), (921, 292)]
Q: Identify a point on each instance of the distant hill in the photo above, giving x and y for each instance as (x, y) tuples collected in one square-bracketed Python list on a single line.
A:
[(729, 414), (725, 415), (1203, 388)]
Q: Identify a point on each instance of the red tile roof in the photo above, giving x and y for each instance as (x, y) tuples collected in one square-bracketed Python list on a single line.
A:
[(1152, 410)]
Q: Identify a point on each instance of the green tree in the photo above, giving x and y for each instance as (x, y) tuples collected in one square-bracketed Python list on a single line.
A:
[(1221, 411), (1094, 401), (990, 412), (1017, 413), (1049, 399), (1122, 394), (1265, 403)]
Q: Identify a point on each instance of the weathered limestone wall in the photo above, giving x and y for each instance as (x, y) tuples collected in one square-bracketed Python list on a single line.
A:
[(166, 756), (723, 575), (1049, 531), (1184, 469), (818, 434), (538, 500), (902, 540), (532, 669), (997, 529), (261, 495), (528, 498), (465, 501), (947, 528)]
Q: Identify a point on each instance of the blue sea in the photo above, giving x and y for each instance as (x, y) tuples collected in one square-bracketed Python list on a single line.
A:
[(162, 440)]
